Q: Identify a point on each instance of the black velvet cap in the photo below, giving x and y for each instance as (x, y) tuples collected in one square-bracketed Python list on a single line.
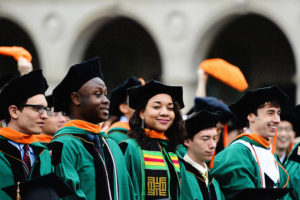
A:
[(49, 99), (139, 95), (47, 187), (290, 117), (119, 94), (255, 98), (5, 79), (297, 114), (76, 77), (199, 121), (214, 105), (19, 89), (261, 193)]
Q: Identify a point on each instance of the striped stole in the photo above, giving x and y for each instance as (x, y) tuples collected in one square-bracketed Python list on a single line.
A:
[(162, 172)]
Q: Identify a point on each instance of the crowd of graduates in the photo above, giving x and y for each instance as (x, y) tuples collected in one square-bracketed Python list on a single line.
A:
[(80, 143)]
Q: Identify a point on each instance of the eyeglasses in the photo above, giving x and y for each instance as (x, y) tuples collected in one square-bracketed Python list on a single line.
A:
[(55, 114), (287, 129), (39, 108)]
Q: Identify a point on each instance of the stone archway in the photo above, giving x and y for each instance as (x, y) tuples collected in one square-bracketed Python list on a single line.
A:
[(260, 49), (125, 49), (12, 34)]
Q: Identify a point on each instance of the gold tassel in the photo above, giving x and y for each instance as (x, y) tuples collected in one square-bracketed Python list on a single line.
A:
[(18, 191)]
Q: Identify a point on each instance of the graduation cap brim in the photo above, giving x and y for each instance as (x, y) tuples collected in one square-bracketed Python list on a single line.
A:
[(119, 94), (261, 193), (255, 98), (76, 77), (49, 181), (20, 89), (139, 95), (200, 121)]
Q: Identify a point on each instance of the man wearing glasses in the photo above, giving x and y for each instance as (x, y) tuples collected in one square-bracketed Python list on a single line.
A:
[(24, 108)]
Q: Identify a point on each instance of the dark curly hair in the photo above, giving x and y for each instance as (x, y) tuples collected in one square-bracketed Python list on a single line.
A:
[(176, 132)]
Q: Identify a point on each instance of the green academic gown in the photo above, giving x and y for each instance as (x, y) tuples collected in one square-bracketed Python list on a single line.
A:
[(11, 167), (235, 168), (137, 168), (292, 166), (91, 176), (193, 186)]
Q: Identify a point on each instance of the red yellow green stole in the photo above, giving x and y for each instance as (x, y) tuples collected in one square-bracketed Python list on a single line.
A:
[(161, 174)]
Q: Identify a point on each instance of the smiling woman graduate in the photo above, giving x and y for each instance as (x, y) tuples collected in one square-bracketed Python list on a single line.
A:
[(157, 128), (84, 157)]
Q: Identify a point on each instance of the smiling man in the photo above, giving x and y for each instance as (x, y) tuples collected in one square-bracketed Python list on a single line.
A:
[(84, 157), (248, 162), (201, 143), (285, 135), (24, 109)]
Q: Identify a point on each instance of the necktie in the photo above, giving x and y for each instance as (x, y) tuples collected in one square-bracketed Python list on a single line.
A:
[(98, 145), (26, 160)]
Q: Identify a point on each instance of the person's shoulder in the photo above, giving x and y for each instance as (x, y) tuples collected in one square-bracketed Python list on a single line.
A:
[(129, 145), (234, 152), (64, 138), (236, 146), (67, 141), (117, 130), (130, 141)]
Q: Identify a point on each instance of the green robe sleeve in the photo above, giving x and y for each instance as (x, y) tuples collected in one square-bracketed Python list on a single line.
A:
[(293, 168), (133, 163), (67, 163), (235, 169), (6, 175), (219, 193)]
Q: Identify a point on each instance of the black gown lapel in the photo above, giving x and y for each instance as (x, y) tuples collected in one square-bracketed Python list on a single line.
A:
[(207, 195), (13, 155), (100, 170)]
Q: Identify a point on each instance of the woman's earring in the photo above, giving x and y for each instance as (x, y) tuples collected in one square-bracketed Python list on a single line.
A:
[(143, 124)]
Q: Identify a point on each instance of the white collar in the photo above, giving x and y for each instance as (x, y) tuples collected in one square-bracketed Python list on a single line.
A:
[(123, 119), (200, 168)]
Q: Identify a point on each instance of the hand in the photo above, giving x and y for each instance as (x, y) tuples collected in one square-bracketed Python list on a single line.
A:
[(201, 85), (202, 75), (24, 66)]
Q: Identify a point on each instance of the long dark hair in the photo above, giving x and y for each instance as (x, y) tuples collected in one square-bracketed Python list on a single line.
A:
[(176, 132)]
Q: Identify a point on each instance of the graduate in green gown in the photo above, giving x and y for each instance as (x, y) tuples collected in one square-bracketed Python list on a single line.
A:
[(156, 129), (248, 161), (84, 157), (286, 150), (120, 109), (214, 105), (24, 109), (197, 184), (292, 166)]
